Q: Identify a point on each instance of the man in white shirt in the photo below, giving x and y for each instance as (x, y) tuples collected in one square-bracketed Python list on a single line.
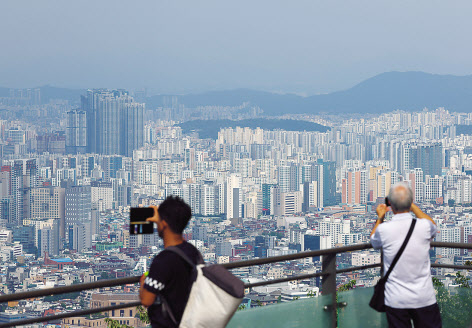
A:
[(409, 293)]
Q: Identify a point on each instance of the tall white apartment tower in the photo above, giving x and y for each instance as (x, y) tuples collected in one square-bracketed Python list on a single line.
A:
[(233, 196)]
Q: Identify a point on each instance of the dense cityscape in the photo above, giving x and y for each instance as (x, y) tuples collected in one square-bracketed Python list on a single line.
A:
[(70, 171)]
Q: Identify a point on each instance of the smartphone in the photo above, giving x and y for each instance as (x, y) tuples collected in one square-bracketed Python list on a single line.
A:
[(137, 220), (387, 202)]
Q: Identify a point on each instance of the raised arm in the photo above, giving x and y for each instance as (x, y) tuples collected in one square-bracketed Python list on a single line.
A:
[(420, 214), (147, 298), (381, 211)]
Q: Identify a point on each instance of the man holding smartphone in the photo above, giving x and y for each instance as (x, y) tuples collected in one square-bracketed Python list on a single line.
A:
[(409, 293), (169, 279)]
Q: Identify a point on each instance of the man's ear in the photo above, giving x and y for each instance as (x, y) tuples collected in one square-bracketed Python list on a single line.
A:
[(164, 224)]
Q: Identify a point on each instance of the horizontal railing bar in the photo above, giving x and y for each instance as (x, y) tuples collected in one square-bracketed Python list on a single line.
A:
[(297, 256), (451, 245), (357, 268), (233, 265), (135, 279), (68, 315), (276, 281), (311, 275), (451, 266), (69, 289)]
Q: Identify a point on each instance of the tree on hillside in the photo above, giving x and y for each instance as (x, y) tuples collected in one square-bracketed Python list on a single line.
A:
[(455, 307)]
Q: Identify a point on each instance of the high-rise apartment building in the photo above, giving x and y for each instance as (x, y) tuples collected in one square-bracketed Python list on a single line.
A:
[(310, 195), (48, 240), (380, 181), (102, 195), (329, 182), (114, 122), (288, 203), (433, 188), (25, 236), (427, 156), (355, 187), (76, 132), (267, 192), (79, 237), (110, 165), (209, 195), (288, 177), (324, 173), (48, 203), (78, 205), (21, 176), (416, 180), (233, 197)]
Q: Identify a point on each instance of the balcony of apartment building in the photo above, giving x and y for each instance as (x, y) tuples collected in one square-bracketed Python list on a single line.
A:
[(326, 306)]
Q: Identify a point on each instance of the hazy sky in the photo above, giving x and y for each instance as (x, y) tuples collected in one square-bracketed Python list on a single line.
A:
[(191, 46)]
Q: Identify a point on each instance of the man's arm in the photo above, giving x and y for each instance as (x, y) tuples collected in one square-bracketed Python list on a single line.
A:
[(381, 211), (147, 298), (420, 214)]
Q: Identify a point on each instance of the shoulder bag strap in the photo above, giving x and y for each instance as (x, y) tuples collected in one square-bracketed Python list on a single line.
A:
[(167, 310), (395, 260), (180, 253), (184, 256)]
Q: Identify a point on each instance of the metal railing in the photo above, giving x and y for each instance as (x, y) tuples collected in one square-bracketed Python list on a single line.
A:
[(328, 286)]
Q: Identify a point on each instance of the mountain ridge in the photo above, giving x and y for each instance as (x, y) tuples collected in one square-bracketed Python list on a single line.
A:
[(385, 92), (49, 92)]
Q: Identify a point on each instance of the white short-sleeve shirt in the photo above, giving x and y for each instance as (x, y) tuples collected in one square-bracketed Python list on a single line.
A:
[(410, 285)]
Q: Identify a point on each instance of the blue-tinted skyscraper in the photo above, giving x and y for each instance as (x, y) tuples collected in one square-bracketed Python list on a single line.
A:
[(312, 243), (329, 182), (76, 132), (114, 122)]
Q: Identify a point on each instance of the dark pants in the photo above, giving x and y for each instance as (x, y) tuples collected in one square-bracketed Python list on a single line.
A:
[(425, 317)]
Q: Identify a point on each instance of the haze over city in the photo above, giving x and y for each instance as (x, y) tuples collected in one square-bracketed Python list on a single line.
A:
[(305, 47)]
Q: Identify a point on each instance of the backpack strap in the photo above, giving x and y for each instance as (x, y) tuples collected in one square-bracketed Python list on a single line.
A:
[(166, 309), (402, 248), (184, 256)]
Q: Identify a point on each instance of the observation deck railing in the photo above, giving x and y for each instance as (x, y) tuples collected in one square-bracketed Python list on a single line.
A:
[(328, 287)]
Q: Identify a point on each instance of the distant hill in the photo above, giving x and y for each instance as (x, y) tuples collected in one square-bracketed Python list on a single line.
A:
[(410, 91), (73, 95), (49, 92), (273, 104), (210, 128)]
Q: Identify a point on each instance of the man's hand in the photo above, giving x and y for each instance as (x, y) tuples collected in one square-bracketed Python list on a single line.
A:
[(154, 218), (381, 210)]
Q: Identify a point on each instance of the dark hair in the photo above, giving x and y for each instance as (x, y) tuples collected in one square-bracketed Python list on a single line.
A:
[(175, 212)]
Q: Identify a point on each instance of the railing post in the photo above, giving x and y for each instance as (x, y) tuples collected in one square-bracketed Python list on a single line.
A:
[(328, 285)]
